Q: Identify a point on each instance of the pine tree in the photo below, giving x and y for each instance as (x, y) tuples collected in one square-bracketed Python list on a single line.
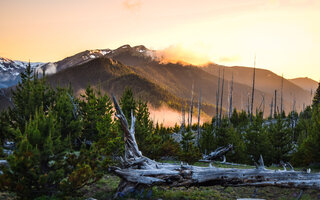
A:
[(190, 153), (96, 110), (148, 142), (128, 104), (309, 149), (29, 95), (44, 162), (71, 123), (280, 135), (257, 141), (316, 98)]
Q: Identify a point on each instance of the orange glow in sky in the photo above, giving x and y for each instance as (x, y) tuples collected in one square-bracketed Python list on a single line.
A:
[(284, 34)]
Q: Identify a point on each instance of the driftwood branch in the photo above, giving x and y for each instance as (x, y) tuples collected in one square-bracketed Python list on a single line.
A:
[(138, 171)]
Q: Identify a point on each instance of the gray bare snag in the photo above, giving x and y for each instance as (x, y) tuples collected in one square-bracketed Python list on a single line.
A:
[(217, 100), (221, 100), (281, 98), (230, 103), (138, 171), (275, 102), (253, 83), (191, 106), (199, 111)]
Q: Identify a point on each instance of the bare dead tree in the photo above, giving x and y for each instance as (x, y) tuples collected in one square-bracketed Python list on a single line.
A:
[(264, 104), (261, 103), (217, 100), (191, 106), (138, 172), (248, 104), (199, 111), (230, 101), (281, 98), (294, 104), (253, 83), (275, 102), (221, 100), (188, 114), (271, 108), (183, 113)]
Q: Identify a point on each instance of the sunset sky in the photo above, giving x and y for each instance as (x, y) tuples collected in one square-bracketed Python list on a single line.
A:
[(284, 34)]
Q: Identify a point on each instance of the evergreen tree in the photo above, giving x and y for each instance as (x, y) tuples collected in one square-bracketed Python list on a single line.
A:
[(46, 160), (281, 142), (316, 98), (207, 140), (96, 111), (309, 149), (41, 163), (257, 141), (28, 96), (66, 108), (128, 104), (148, 142), (190, 153)]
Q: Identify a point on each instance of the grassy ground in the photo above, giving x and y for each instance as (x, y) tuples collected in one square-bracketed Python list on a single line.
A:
[(106, 188)]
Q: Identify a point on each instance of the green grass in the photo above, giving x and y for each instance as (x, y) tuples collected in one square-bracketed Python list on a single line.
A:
[(107, 186), (105, 189)]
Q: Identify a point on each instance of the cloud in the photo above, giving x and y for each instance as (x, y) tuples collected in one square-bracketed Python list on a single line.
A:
[(228, 59), (179, 54), (132, 5)]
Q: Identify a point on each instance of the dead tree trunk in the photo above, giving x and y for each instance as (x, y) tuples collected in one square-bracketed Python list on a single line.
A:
[(138, 171), (231, 93), (264, 105), (217, 101), (199, 111), (271, 106), (218, 153), (248, 104), (191, 106), (183, 113), (221, 100), (253, 83), (188, 114), (281, 98), (275, 102)]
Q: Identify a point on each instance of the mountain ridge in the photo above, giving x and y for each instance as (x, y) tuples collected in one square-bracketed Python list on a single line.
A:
[(141, 66)]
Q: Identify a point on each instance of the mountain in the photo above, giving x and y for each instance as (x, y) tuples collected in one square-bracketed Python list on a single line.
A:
[(179, 77), (10, 71), (266, 81), (88, 55), (112, 77), (306, 83), (163, 83)]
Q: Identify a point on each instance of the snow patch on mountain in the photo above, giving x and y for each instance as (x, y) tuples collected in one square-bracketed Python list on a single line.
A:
[(10, 70)]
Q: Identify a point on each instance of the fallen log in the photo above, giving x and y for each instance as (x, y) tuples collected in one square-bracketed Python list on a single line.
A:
[(138, 171), (218, 153)]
